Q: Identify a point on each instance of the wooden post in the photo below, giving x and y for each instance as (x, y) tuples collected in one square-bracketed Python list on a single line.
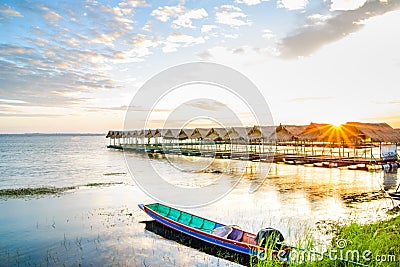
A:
[(371, 151)]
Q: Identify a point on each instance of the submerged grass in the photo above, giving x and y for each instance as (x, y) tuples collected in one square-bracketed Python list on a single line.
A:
[(374, 244), (43, 191), (103, 184), (23, 192)]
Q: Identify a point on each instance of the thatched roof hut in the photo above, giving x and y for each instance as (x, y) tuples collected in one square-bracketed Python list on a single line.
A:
[(216, 134), (148, 133), (318, 132), (236, 134), (156, 133), (118, 134), (281, 133), (254, 133), (267, 132), (374, 132), (184, 134), (199, 133), (140, 133), (170, 133), (295, 130)]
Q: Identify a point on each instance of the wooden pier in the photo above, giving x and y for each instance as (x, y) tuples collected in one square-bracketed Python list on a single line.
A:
[(354, 145)]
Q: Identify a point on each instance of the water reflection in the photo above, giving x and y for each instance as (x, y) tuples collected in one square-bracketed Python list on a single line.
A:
[(202, 246), (389, 180)]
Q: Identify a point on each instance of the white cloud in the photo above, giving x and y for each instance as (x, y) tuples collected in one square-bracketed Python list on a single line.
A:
[(174, 41), (229, 7), (41, 42), (133, 3), (141, 47), (185, 20), (147, 27), (183, 17), (166, 12), (250, 2), (119, 17), (10, 49), (207, 28), (106, 39), (50, 15), (292, 4), (231, 15), (9, 12), (232, 36), (12, 101), (142, 43), (268, 34), (317, 19), (347, 4)]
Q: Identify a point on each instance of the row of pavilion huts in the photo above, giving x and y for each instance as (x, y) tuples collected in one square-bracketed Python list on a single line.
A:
[(353, 142)]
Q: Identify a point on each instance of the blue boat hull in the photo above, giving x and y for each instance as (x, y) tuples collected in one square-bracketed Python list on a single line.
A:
[(232, 245)]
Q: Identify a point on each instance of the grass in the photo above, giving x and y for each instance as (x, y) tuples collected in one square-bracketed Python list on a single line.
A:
[(43, 191), (23, 192), (103, 184), (375, 244)]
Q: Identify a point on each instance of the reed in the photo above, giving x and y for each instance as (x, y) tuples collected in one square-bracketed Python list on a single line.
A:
[(42, 191), (354, 244)]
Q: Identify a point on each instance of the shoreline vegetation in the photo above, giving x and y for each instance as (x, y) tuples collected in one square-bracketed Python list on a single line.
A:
[(45, 191), (354, 244)]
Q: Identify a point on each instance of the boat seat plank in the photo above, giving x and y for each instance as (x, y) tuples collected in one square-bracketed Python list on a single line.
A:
[(153, 206), (236, 234), (185, 218), (249, 239), (163, 210), (174, 214), (208, 226), (196, 222)]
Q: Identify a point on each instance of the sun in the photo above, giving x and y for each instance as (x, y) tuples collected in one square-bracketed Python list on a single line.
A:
[(336, 123)]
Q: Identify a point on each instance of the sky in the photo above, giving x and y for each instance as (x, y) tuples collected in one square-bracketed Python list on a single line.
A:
[(74, 66)]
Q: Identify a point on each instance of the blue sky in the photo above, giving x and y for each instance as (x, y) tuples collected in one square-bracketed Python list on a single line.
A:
[(74, 66)]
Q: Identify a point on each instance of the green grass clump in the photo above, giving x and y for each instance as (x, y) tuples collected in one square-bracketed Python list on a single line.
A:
[(103, 184), (374, 244), (379, 241), (44, 191), (26, 192)]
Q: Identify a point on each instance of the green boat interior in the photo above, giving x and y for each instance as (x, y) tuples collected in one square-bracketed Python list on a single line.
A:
[(203, 224)]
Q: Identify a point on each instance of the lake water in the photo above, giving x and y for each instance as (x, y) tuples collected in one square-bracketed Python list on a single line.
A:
[(98, 222)]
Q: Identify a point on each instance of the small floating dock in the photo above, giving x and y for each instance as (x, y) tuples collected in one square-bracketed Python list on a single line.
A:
[(354, 145)]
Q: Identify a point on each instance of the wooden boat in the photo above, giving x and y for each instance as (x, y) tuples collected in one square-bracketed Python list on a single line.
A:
[(318, 164), (225, 236)]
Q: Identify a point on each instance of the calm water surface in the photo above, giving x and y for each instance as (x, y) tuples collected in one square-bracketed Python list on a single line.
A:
[(100, 225)]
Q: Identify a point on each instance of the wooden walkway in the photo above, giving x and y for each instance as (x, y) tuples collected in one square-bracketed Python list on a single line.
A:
[(353, 163)]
